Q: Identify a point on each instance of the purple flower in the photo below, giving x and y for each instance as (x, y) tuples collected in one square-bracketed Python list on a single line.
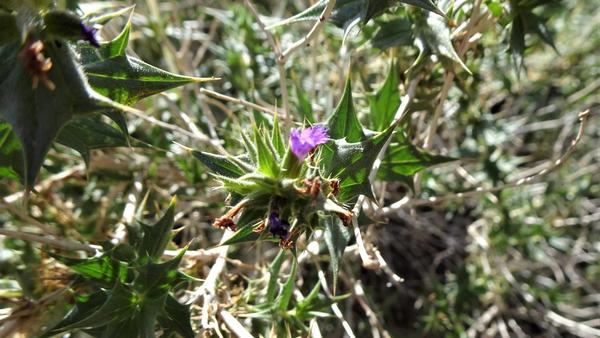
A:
[(278, 227), (90, 34), (303, 142)]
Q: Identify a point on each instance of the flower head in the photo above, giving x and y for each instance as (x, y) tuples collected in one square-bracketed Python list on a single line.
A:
[(90, 34), (303, 142), (277, 226)]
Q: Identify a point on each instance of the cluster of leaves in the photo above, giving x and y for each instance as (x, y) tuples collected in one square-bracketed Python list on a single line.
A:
[(128, 290), (79, 80), (272, 305)]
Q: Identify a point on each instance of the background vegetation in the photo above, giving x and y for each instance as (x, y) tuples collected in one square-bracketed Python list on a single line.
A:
[(486, 210)]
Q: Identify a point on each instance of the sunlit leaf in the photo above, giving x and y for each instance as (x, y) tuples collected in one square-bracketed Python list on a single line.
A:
[(101, 269), (386, 101), (274, 269), (277, 139), (402, 160), (219, 164), (343, 123), (434, 32), (393, 33), (351, 163), (127, 80), (155, 280), (267, 163), (287, 289)]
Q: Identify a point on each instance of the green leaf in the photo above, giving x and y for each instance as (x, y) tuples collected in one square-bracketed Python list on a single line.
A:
[(306, 302), (118, 45), (147, 315), (85, 133), (176, 317), (274, 269), (157, 237), (127, 80), (120, 304), (107, 50), (434, 31), (130, 327), (386, 101), (347, 12), (219, 164), (103, 19), (277, 139), (403, 159), (242, 185), (351, 163), (119, 118), (337, 237), (397, 32), (154, 280), (250, 148), (37, 115), (102, 269), (495, 7), (84, 307), (267, 163), (287, 289), (343, 123), (428, 5)]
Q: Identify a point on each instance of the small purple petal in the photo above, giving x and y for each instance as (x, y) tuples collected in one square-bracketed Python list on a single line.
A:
[(278, 227), (303, 142), (90, 35)]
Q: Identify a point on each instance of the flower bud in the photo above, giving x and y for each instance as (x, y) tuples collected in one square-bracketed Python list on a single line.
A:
[(301, 144)]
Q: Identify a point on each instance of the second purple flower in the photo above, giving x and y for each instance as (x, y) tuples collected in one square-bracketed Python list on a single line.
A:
[(305, 141), (278, 227), (89, 34)]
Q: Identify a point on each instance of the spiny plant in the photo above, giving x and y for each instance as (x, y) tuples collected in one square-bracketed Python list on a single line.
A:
[(281, 191), (276, 311), (127, 291)]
